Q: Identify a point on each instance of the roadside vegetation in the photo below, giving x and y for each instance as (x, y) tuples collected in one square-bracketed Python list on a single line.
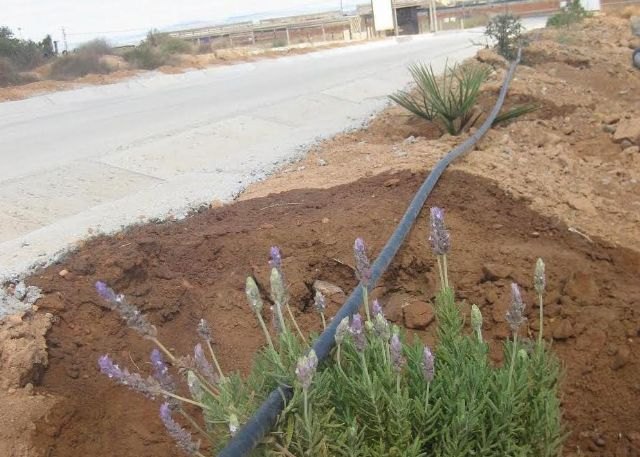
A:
[(87, 59), (507, 31), (379, 393), (450, 100), (573, 13), (17, 57), (156, 50)]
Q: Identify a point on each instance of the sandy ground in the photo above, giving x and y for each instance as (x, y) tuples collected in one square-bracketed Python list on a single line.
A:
[(561, 183)]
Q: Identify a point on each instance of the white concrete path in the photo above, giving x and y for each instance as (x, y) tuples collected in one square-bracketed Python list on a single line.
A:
[(103, 157)]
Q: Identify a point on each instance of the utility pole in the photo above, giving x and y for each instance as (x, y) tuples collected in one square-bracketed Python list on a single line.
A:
[(395, 18), (462, 20), (64, 38)]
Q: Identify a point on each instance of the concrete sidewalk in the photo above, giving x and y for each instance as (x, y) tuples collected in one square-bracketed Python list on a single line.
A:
[(97, 159)]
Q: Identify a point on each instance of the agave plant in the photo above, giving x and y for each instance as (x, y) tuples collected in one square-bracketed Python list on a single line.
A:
[(449, 100)]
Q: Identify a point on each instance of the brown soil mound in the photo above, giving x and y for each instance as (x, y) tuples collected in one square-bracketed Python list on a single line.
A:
[(179, 272)]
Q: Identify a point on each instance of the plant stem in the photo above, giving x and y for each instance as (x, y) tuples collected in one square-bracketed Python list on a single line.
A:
[(215, 360), (513, 359), (183, 399), (338, 356), (306, 408), (324, 322), (426, 401), (365, 300), (445, 269), (295, 324), (540, 331), (195, 425), (163, 348), (280, 317), (398, 383), (265, 331), (440, 272)]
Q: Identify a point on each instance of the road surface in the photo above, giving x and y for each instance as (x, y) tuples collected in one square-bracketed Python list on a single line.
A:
[(96, 159)]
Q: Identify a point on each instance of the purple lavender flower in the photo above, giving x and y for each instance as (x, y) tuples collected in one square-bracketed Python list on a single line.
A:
[(204, 330), (203, 365), (319, 302), (161, 371), (363, 267), (428, 364), (149, 387), (357, 332), (181, 436), (341, 330), (306, 368), (130, 314), (439, 236), (105, 292), (376, 308), (275, 258), (515, 316), (539, 279), (395, 349)]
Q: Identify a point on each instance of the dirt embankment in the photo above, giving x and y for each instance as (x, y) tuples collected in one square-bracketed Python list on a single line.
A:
[(561, 183)]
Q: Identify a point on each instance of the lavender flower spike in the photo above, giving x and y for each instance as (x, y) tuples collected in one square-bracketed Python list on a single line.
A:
[(203, 365), (204, 330), (253, 294), (148, 387), (357, 332), (319, 302), (376, 308), (130, 314), (381, 327), (275, 258), (363, 267), (161, 371), (515, 316), (439, 236), (395, 349), (341, 330), (306, 368), (428, 364), (539, 279), (180, 435)]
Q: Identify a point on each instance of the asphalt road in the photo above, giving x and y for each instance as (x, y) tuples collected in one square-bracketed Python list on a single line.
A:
[(99, 158)]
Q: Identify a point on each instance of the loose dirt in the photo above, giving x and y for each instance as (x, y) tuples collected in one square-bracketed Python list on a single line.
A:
[(560, 183)]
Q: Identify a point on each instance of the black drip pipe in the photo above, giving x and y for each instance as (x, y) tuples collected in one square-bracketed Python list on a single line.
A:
[(250, 435)]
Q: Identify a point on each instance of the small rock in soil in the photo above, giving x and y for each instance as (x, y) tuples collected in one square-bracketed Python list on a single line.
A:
[(582, 288), (392, 306), (621, 358), (628, 129), (327, 289), (493, 272), (393, 182), (562, 329), (418, 315)]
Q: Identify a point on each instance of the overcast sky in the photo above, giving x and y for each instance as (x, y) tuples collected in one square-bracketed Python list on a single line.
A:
[(87, 19)]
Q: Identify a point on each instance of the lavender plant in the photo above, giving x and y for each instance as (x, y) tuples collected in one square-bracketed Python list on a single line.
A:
[(379, 393)]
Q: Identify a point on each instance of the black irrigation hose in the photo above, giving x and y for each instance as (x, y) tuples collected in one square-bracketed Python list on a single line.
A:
[(265, 417)]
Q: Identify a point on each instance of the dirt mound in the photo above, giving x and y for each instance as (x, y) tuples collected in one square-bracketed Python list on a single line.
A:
[(179, 272)]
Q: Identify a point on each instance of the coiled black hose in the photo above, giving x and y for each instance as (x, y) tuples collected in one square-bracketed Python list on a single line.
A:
[(248, 437)]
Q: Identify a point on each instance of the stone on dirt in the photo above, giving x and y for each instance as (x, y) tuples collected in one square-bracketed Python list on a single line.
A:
[(418, 315), (628, 129)]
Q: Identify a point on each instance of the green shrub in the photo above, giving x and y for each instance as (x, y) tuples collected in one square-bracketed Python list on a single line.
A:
[(9, 76), (98, 47), (378, 394), (448, 100), (507, 30), (571, 14), (23, 55), (146, 57), (76, 65), (156, 50)]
